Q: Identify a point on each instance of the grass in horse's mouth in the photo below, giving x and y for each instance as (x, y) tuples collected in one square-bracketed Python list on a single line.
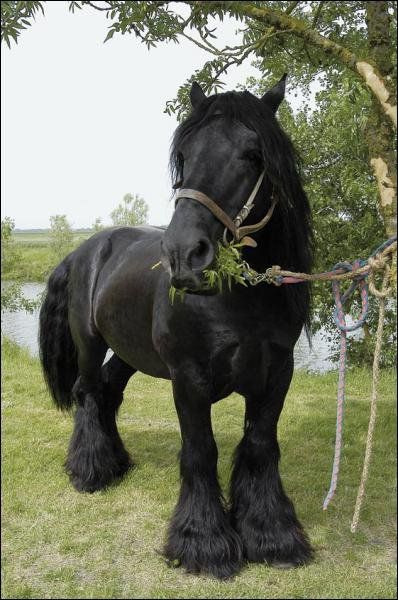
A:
[(228, 267)]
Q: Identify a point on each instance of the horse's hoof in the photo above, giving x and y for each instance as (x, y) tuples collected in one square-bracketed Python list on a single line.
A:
[(217, 555), (102, 481), (87, 487)]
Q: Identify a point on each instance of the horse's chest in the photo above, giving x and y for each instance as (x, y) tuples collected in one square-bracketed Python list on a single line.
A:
[(228, 351), (241, 366)]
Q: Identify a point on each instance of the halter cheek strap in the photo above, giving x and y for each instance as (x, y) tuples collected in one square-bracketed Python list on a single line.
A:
[(239, 233)]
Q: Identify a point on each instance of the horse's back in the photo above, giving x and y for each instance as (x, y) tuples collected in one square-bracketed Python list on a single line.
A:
[(121, 237)]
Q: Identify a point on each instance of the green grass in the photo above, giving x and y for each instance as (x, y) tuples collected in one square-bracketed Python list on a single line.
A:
[(58, 543)]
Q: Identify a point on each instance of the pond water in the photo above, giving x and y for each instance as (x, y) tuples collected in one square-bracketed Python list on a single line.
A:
[(22, 327)]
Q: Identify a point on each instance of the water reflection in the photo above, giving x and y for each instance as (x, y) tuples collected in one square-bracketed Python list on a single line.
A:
[(20, 326)]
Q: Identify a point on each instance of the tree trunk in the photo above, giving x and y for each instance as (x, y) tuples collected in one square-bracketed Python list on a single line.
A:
[(379, 132)]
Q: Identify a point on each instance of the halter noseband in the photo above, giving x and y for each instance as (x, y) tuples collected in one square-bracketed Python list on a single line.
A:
[(234, 226)]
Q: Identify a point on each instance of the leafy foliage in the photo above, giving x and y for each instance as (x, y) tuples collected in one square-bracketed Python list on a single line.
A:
[(61, 236), (175, 292), (16, 16), (97, 225), (229, 267), (275, 39), (9, 253), (12, 297), (133, 210)]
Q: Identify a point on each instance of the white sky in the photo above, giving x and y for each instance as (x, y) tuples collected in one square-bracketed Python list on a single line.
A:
[(83, 122)]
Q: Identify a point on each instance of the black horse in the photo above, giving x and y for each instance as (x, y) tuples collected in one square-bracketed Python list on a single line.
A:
[(106, 295)]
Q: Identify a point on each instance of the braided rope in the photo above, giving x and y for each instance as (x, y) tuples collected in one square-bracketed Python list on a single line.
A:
[(341, 272), (278, 276), (341, 324), (339, 419), (377, 262), (382, 295)]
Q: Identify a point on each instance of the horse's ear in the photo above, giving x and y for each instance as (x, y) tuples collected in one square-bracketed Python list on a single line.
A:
[(196, 95), (275, 95)]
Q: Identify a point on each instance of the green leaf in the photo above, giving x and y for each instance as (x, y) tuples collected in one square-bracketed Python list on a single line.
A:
[(110, 34)]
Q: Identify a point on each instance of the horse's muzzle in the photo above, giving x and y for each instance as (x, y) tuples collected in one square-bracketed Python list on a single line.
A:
[(186, 263), (188, 282)]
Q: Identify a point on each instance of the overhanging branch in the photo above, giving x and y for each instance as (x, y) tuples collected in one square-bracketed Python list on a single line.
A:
[(299, 28)]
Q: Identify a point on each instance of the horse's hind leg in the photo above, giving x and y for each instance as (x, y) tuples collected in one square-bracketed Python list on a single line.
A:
[(115, 376), (96, 454), (261, 512)]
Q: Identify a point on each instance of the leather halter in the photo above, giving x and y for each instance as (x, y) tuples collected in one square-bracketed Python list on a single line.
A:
[(234, 226)]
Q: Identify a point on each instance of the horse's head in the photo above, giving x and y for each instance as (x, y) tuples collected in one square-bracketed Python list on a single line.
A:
[(218, 159)]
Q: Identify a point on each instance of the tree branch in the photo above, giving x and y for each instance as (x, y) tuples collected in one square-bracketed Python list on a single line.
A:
[(301, 29), (197, 43), (89, 3)]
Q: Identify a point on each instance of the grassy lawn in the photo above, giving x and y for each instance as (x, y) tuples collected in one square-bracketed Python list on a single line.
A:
[(58, 543)]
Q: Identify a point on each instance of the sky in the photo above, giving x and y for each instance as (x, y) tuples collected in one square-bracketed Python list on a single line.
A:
[(83, 121)]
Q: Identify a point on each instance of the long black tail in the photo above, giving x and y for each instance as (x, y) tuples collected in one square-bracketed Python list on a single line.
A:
[(58, 353)]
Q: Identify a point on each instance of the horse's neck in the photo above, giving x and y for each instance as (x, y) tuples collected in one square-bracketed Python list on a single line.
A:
[(265, 254)]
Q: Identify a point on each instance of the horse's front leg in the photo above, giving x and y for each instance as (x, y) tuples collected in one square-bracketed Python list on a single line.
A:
[(261, 512), (200, 537)]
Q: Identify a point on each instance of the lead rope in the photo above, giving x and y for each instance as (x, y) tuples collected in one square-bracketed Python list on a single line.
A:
[(376, 263), (381, 295), (339, 318)]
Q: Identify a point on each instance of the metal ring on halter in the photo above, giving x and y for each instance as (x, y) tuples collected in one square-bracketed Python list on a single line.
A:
[(224, 237)]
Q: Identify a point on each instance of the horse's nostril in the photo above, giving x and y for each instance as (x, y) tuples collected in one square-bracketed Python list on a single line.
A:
[(201, 255), (200, 249)]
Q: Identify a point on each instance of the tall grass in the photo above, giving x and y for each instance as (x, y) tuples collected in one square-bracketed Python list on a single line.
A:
[(58, 543)]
